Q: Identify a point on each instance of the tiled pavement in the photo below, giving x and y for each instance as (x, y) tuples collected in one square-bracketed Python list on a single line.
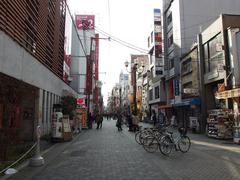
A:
[(107, 154)]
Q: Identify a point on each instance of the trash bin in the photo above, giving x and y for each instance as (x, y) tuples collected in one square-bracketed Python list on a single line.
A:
[(236, 134)]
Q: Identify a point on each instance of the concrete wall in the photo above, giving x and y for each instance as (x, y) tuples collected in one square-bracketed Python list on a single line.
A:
[(16, 62)]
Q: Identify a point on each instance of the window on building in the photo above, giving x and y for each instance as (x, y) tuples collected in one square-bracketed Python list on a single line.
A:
[(186, 66), (149, 42), (171, 63), (150, 94), (152, 37), (152, 72), (213, 53), (169, 19), (170, 41), (206, 57), (157, 92)]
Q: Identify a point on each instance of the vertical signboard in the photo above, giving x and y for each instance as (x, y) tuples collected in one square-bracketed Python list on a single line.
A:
[(86, 22), (176, 87), (96, 56), (158, 42), (89, 75)]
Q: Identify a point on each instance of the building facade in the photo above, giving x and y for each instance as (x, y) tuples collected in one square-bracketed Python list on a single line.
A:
[(182, 21), (157, 89), (84, 59), (31, 66)]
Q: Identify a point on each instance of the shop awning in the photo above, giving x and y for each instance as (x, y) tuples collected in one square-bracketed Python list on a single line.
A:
[(228, 94)]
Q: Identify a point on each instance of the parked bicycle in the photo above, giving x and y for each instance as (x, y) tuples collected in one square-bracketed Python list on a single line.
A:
[(181, 142), (151, 142)]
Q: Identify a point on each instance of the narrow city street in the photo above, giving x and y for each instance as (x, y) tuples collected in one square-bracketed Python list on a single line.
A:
[(107, 154)]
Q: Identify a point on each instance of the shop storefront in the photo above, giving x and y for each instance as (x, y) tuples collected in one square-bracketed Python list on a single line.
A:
[(17, 109), (187, 113), (231, 121)]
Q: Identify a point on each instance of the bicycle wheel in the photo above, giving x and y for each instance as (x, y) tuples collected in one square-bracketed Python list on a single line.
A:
[(165, 145), (137, 137), (150, 144), (144, 134), (184, 144)]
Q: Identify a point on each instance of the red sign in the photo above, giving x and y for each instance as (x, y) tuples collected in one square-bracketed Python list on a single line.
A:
[(96, 56), (85, 22), (89, 74), (80, 101)]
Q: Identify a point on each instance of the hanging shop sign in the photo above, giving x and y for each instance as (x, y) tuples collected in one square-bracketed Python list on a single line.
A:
[(85, 22), (228, 94), (176, 87)]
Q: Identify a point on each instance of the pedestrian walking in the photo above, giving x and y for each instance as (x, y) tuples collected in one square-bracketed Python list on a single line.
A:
[(90, 121), (119, 122), (154, 118), (99, 119), (162, 119)]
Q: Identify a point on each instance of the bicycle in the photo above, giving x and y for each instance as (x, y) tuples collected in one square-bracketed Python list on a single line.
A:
[(151, 141), (182, 142)]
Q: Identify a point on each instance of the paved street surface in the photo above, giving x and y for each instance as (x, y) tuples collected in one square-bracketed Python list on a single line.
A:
[(107, 154)]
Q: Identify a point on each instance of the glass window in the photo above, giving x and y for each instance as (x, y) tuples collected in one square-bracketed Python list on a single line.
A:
[(206, 62), (157, 92), (169, 18), (151, 37), (150, 94), (171, 63), (213, 54), (170, 41)]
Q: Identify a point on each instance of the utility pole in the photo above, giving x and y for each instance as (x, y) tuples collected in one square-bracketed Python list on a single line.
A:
[(203, 114), (120, 95), (134, 70)]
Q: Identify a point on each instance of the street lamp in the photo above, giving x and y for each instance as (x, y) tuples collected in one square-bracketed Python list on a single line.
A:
[(134, 70)]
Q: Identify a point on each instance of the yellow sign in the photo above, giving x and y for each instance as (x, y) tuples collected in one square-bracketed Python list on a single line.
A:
[(228, 94)]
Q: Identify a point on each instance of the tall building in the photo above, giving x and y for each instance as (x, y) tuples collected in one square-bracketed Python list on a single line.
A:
[(84, 58), (124, 85), (156, 81), (182, 21), (31, 65)]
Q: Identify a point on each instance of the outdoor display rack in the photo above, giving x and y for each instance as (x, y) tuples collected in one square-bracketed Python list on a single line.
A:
[(220, 124)]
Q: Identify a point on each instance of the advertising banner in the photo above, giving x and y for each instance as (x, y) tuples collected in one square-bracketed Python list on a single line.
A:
[(96, 56), (82, 117), (86, 22), (81, 101)]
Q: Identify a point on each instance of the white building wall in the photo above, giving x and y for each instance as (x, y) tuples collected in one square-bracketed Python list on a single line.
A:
[(79, 60), (16, 62)]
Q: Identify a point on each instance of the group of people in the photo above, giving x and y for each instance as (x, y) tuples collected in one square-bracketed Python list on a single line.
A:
[(98, 118), (160, 120)]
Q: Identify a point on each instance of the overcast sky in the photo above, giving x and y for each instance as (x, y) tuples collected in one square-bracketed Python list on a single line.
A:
[(128, 20)]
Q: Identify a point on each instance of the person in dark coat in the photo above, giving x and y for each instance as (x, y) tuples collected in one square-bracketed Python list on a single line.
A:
[(119, 122), (99, 119), (154, 118), (90, 121)]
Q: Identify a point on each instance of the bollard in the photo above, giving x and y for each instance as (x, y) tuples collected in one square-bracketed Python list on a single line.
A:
[(37, 159)]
